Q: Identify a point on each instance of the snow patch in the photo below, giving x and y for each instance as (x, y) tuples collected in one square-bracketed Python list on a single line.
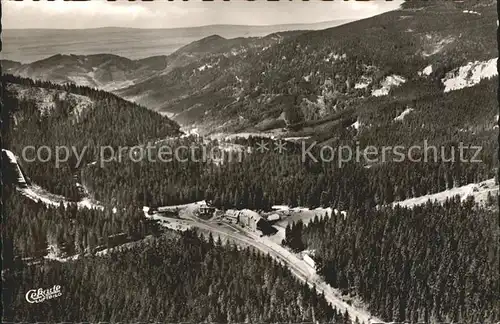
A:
[(470, 75), (403, 114), (389, 82), (39, 194), (356, 125), (205, 67), (363, 83), (190, 132), (435, 44), (427, 71), (335, 57), (307, 78), (472, 12), (10, 156)]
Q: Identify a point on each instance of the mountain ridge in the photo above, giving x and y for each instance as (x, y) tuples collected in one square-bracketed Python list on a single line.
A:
[(245, 83), (29, 45)]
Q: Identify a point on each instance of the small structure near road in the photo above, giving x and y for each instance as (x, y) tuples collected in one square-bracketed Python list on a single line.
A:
[(273, 218), (309, 261), (206, 212), (164, 211)]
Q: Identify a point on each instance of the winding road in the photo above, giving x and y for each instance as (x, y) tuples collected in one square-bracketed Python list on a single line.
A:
[(296, 265)]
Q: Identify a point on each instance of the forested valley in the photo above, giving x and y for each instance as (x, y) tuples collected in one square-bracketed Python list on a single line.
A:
[(255, 181), (432, 263)]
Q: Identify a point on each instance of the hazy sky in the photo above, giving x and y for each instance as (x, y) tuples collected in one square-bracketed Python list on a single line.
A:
[(165, 14)]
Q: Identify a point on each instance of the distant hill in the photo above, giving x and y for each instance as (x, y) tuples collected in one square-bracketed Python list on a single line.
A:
[(103, 71), (29, 45), (112, 72)]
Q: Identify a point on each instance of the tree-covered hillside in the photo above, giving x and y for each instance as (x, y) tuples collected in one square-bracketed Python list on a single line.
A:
[(179, 278), (322, 72), (433, 263), (80, 119)]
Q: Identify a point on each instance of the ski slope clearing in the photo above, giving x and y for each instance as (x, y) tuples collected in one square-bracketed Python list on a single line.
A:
[(478, 190), (470, 75), (37, 193), (387, 84), (291, 215)]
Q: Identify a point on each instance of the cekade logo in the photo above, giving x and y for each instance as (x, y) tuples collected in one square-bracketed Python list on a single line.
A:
[(40, 295)]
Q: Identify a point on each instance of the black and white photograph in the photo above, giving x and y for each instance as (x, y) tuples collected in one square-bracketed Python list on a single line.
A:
[(248, 161)]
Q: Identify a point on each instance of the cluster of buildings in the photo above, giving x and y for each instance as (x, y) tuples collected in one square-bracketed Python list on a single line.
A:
[(249, 219), (245, 218)]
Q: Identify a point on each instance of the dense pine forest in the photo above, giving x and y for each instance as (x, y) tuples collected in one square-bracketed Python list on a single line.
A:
[(432, 263), (33, 228), (260, 180), (176, 278)]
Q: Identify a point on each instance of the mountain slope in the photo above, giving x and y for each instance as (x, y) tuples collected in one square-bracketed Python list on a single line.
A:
[(111, 72), (320, 73), (72, 125), (103, 71), (300, 79)]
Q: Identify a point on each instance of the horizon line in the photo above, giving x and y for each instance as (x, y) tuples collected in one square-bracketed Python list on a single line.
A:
[(187, 27)]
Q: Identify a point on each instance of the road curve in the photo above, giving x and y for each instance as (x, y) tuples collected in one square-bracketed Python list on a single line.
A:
[(297, 266)]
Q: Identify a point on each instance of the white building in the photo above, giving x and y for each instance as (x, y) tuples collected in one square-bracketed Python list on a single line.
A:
[(309, 261), (273, 217)]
